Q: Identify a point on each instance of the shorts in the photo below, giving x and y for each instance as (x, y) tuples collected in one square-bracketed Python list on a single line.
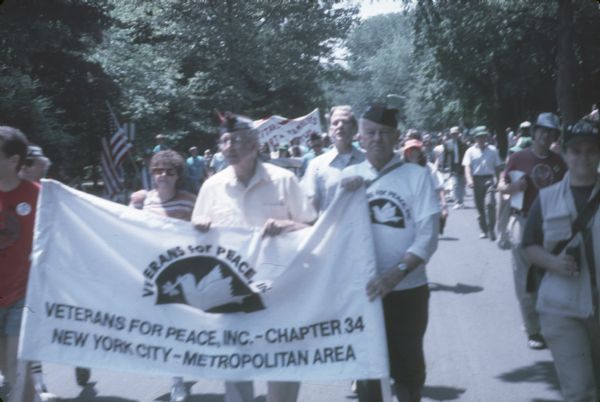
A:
[(11, 317)]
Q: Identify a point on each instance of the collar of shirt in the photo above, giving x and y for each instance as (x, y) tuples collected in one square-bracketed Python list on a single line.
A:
[(259, 175), (374, 172), (333, 156)]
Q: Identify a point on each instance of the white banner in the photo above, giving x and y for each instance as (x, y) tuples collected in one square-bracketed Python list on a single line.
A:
[(118, 288), (277, 130)]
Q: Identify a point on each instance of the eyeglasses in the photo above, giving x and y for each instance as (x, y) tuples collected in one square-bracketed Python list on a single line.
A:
[(160, 171), (28, 162), (237, 140)]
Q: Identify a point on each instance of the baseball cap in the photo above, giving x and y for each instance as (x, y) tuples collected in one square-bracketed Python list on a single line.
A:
[(479, 131), (525, 124), (547, 120), (583, 130)]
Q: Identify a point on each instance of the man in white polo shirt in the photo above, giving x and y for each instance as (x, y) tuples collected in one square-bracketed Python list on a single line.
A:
[(249, 193), (405, 214), (482, 168), (323, 174)]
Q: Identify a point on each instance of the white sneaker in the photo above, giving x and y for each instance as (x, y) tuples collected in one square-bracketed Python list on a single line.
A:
[(458, 206), (179, 392), (45, 397)]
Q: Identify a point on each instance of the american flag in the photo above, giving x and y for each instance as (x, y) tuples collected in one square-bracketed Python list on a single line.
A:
[(114, 149)]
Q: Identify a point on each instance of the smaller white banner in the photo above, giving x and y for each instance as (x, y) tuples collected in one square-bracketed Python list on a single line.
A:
[(277, 130)]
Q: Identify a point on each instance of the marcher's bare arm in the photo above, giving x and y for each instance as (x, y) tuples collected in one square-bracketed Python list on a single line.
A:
[(468, 176), (385, 282), (419, 252)]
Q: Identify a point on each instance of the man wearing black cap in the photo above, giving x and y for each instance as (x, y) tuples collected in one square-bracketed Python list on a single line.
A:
[(482, 167), (250, 193), (404, 213), (324, 172), (527, 172)]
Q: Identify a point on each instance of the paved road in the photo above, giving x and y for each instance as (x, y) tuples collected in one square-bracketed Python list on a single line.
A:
[(476, 350)]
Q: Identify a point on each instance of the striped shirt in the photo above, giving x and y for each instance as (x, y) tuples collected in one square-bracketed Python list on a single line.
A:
[(178, 207)]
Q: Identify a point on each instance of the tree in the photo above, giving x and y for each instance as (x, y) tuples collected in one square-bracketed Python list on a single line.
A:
[(379, 59), (492, 62), (177, 61), (57, 91)]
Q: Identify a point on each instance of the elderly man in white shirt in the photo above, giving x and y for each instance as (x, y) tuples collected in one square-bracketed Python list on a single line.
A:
[(404, 212), (323, 174), (249, 193)]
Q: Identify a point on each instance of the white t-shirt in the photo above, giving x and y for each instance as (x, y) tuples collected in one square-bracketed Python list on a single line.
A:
[(400, 203), (483, 162)]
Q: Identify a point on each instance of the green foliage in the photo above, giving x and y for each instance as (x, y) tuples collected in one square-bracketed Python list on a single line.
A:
[(49, 88), (467, 62), (177, 61), (379, 55), (165, 65)]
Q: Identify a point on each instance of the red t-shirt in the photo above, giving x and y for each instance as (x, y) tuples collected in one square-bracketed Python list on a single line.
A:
[(539, 172), (17, 214)]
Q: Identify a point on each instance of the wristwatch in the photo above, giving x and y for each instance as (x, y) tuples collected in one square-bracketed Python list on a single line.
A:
[(404, 268)]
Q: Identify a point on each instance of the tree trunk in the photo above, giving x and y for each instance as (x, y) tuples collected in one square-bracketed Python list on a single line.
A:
[(566, 64)]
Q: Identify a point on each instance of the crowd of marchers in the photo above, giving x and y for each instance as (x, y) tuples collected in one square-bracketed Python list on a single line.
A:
[(541, 202)]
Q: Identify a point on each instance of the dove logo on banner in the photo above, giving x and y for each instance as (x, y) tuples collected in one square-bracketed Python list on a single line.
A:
[(205, 283)]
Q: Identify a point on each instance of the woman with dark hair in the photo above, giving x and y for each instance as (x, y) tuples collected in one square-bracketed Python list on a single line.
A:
[(166, 199)]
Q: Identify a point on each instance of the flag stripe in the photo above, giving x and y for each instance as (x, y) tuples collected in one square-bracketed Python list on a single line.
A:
[(114, 150)]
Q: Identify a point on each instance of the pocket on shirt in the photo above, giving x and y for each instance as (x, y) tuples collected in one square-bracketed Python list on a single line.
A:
[(557, 228), (276, 210)]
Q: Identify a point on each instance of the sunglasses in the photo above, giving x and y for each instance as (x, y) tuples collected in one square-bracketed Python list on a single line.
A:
[(28, 162), (160, 171)]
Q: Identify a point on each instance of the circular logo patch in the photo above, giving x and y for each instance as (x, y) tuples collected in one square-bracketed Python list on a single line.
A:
[(23, 209)]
